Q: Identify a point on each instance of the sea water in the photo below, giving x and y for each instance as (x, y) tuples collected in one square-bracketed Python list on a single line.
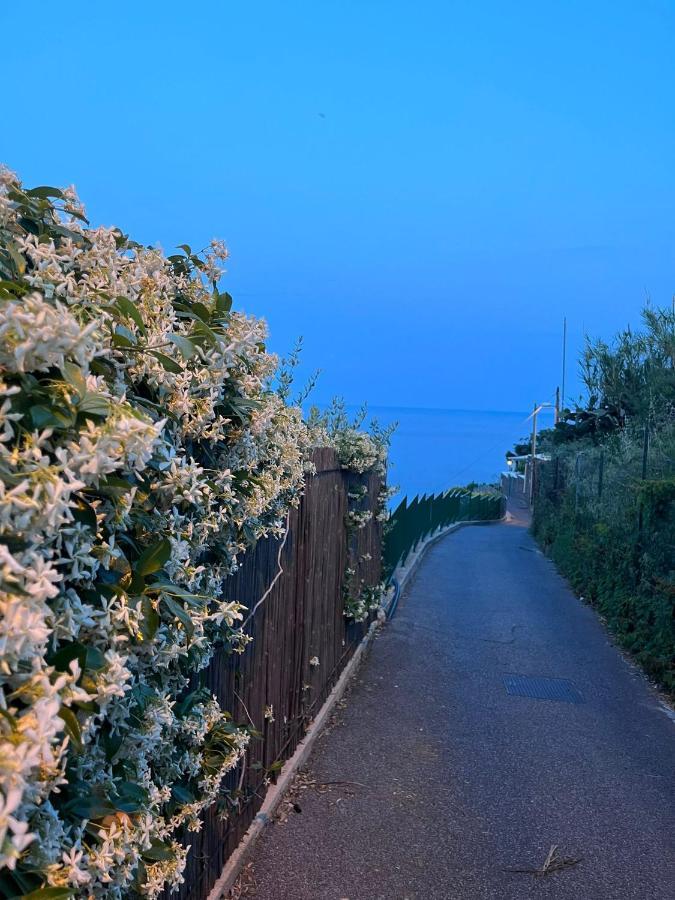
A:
[(435, 449)]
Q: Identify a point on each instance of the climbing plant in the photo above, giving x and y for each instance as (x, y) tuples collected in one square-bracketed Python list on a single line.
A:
[(146, 441), (359, 451), (142, 450)]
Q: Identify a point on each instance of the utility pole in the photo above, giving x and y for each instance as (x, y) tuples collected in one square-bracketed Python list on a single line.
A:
[(556, 415), (534, 451), (564, 360), (534, 430)]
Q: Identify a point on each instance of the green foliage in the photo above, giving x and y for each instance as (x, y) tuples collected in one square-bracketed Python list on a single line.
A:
[(142, 451), (607, 523), (635, 372), (613, 536), (631, 379)]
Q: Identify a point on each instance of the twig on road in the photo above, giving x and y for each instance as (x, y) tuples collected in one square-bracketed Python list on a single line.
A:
[(327, 783), (553, 863)]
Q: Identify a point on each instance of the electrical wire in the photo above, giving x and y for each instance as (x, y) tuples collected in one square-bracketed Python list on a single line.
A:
[(489, 450)]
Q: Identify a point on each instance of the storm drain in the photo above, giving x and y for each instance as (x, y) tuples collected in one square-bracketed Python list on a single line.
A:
[(542, 688)]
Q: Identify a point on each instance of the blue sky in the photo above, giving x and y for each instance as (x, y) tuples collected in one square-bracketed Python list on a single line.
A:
[(422, 190)]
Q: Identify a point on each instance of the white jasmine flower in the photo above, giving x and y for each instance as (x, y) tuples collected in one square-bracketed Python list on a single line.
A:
[(35, 335)]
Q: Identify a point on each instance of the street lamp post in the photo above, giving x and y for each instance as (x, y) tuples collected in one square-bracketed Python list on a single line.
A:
[(537, 409)]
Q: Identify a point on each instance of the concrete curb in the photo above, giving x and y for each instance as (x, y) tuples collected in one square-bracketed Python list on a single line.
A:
[(275, 793)]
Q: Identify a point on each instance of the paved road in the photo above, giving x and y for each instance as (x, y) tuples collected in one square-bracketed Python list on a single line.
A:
[(463, 781)]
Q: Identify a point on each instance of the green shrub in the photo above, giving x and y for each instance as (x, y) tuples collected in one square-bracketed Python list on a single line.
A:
[(614, 540)]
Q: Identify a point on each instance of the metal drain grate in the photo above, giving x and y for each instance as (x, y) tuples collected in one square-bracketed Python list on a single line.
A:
[(542, 688)]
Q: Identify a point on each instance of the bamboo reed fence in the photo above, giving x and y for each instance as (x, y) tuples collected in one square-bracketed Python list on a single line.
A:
[(300, 619)]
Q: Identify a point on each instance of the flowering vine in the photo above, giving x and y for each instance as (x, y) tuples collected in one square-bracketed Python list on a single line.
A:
[(141, 451), (359, 452)]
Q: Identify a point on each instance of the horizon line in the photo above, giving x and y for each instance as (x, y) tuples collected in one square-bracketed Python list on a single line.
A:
[(383, 406)]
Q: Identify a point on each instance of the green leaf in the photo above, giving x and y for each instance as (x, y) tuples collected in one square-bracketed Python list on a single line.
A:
[(182, 793), (185, 248), (110, 743), (100, 366), (72, 726), (174, 590), (186, 347), (68, 233), (94, 404), (180, 613), (203, 334), (85, 513), (129, 797), (16, 883), (136, 585), (44, 191), (153, 558), (123, 337), (92, 807), (190, 700), (50, 417), (76, 214), (169, 364), (223, 302), (49, 893), (203, 313), (14, 288), (150, 621), (158, 852), (16, 257), (128, 309), (143, 694), (75, 377), (95, 660), (62, 657), (113, 485)]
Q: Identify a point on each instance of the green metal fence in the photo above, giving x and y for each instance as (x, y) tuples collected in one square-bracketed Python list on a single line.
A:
[(412, 522)]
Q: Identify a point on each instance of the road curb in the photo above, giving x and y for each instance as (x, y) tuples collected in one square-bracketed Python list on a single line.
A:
[(275, 793)]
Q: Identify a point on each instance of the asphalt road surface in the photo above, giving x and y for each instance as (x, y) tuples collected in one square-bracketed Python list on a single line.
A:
[(454, 781)]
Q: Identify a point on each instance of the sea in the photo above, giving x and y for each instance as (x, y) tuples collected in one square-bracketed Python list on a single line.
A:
[(435, 449)]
